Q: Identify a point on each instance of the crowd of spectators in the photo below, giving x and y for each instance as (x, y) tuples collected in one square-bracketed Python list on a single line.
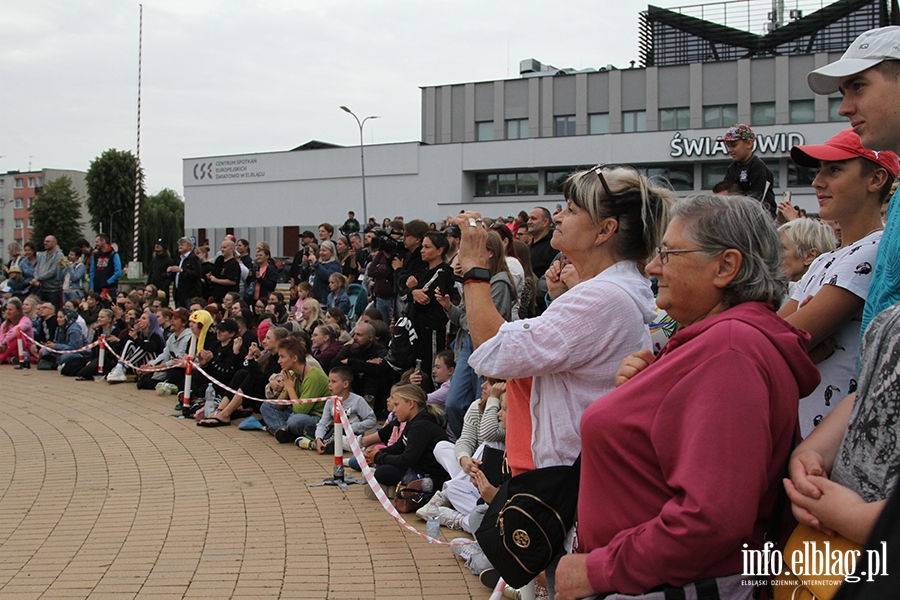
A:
[(681, 347)]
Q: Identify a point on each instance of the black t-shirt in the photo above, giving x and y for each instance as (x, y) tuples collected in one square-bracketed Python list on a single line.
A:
[(753, 176), (542, 254), (223, 269), (431, 315)]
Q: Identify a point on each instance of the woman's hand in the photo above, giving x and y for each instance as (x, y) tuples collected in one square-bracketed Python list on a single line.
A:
[(633, 364), (236, 345), (469, 465), (411, 282), (788, 211), (253, 352), (473, 250), (420, 296), (571, 578), (288, 378), (416, 379), (803, 465), (480, 481), (276, 385), (497, 389), (442, 299)]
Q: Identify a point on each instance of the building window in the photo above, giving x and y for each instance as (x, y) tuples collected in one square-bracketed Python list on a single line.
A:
[(834, 104), (31, 182), (30, 202), (565, 126), (19, 203), (713, 173), (762, 113), (30, 222), (516, 129), (634, 120), (681, 176), (800, 176), (803, 111), (720, 116), (2, 181), (775, 166), (39, 180), (484, 131), (599, 123), (19, 183), (18, 224), (674, 118), (506, 184)]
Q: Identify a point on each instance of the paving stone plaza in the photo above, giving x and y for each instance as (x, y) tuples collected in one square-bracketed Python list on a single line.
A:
[(104, 494)]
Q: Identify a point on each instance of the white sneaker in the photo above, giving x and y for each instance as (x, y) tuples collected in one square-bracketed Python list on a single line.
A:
[(438, 499), (117, 375), (451, 519)]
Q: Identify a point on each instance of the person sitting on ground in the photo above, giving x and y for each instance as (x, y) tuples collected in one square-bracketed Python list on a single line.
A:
[(338, 297), (851, 183), (73, 305), (143, 342), (358, 412), (425, 427), (199, 323), (69, 336), (14, 321), (371, 376), (441, 373), (287, 423), (219, 362), (87, 370), (228, 301), (335, 317), (177, 346), (325, 345), (89, 308), (16, 286), (803, 240), (246, 337), (260, 365), (44, 326)]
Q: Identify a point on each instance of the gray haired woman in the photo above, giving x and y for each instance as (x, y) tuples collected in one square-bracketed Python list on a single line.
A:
[(682, 462), (318, 270)]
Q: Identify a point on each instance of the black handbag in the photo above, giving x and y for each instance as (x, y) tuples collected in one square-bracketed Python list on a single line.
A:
[(526, 524)]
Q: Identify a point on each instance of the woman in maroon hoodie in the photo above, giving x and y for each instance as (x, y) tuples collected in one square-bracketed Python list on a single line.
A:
[(326, 345), (681, 463)]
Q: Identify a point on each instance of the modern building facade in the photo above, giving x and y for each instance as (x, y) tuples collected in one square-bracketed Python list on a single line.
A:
[(506, 145)]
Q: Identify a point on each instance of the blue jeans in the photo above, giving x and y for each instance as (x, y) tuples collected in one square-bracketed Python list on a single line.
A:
[(283, 417), (386, 307), (464, 388)]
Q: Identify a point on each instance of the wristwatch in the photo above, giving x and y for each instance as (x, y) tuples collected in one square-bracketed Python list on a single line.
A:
[(477, 274)]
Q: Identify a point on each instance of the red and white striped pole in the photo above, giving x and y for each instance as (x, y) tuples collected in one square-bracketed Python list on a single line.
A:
[(102, 355), (338, 474), (188, 372), (137, 170), (21, 346)]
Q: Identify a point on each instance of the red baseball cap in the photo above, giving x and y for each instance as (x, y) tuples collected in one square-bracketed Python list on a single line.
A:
[(844, 146)]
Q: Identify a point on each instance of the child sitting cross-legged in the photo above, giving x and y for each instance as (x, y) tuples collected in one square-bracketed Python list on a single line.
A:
[(359, 413)]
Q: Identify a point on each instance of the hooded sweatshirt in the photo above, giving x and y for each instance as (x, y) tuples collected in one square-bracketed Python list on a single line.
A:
[(681, 465), (572, 351)]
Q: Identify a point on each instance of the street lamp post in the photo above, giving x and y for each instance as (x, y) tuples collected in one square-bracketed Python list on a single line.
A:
[(362, 156)]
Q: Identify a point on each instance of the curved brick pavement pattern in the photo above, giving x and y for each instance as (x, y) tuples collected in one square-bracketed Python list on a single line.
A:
[(103, 494)]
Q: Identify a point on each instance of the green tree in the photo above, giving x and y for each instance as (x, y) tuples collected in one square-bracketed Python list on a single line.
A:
[(162, 217), (56, 211), (110, 202)]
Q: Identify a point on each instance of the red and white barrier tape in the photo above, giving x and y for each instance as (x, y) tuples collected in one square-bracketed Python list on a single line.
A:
[(379, 493), (49, 349)]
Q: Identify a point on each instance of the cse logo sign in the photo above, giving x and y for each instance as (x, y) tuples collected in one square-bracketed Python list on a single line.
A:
[(203, 171)]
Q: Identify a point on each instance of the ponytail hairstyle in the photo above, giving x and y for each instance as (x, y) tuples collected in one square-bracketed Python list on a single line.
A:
[(621, 193), (408, 391)]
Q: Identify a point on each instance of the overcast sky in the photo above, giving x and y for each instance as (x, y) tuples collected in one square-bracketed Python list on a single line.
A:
[(223, 77)]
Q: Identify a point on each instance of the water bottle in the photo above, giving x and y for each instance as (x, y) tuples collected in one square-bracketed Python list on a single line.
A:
[(211, 404), (433, 521)]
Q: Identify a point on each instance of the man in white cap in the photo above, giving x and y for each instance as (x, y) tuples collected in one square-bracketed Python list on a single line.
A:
[(868, 76)]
